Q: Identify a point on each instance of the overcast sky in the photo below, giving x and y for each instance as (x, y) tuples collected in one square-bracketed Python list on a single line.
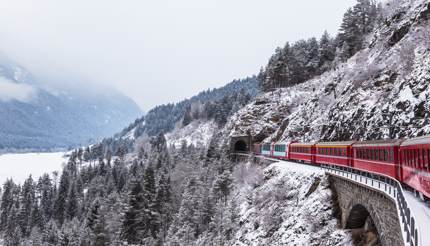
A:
[(162, 50)]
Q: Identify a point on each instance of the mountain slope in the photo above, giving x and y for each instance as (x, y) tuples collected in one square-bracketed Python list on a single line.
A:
[(35, 117), (381, 92)]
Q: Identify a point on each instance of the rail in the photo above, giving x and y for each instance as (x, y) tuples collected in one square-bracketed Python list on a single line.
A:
[(388, 185), (383, 183)]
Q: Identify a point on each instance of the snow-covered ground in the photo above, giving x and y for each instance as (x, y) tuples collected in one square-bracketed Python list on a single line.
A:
[(292, 205), (421, 212), (198, 133), (20, 166)]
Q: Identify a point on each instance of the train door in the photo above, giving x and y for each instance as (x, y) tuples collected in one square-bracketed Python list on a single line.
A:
[(395, 150)]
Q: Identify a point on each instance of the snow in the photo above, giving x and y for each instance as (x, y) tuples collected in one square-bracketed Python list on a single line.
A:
[(130, 134), (421, 212), (20, 166), (282, 210), (197, 133)]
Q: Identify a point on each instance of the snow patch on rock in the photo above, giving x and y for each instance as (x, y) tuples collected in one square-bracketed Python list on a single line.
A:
[(197, 133), (292, 205)]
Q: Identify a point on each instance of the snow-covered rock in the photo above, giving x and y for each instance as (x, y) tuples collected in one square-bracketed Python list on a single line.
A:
[(197, 133), (381, 92), (291, 205)]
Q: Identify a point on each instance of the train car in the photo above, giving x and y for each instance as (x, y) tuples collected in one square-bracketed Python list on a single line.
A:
[(257, 148), (266, 149), (280, 151), (380, 156), (415, 164), (334, 153), (303, 152)]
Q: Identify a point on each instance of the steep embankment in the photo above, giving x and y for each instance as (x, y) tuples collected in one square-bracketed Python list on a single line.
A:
[(382, 91), (289, 204)]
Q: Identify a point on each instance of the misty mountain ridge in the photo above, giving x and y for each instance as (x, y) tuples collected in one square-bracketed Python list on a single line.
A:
[(48, 114)]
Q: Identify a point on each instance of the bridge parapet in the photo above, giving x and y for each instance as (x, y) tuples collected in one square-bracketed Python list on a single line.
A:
[(382, 197)]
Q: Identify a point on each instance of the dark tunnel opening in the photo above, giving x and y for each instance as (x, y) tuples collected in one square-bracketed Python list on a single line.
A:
[(240, 146)]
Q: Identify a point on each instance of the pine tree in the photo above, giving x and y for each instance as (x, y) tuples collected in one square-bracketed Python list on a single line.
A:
[(46, 196), (223, 185), (327, 51), (132, 223), (163, 202), (27, 201), (61, 199), (72, 203), (187, 117), (51, 234), (7, 202)]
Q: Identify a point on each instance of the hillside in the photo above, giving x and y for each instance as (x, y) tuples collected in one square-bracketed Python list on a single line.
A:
[(34, 116), (380, 92)]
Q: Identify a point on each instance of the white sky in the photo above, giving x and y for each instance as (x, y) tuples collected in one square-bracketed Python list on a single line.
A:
[(162, 50)]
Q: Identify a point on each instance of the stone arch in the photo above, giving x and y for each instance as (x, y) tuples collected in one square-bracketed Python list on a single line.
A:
[(240, 146), (357, 217), (362, 225), (352, 197)]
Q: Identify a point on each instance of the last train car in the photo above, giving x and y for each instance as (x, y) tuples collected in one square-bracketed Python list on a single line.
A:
[(304, 152), (415, 164), (266, 149), (381, 156), (257, 148), (334, 153)]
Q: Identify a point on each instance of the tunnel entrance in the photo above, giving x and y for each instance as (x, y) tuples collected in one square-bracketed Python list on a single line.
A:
[(240, 146), (361, 224)]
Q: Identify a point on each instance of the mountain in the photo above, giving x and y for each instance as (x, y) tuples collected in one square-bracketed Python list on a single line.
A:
[(203, 113), (382, 91), (34, 116)]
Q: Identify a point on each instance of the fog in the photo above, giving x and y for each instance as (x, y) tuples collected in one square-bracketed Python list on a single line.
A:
[(12, 91), (157, 51)]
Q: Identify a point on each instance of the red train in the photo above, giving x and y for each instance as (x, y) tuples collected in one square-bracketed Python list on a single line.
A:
[(408, 161)]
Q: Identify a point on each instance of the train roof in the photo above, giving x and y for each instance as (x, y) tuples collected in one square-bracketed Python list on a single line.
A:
[(418, 140), (337, 144), (302, 144), (278, 143), (379, 143)]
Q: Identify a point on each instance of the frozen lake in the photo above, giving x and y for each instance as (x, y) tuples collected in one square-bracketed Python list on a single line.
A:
[(20, 166)]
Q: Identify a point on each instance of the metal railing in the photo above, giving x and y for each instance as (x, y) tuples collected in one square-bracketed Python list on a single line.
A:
[(390, 186)]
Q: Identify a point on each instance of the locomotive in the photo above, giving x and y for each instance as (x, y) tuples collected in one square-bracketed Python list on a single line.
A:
[(407, 161)]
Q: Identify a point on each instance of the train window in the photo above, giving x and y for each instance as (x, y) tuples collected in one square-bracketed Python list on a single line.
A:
[(411, 158), (428, 159), (417, 158), (405, 157), (376, 154), (409, 155)]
